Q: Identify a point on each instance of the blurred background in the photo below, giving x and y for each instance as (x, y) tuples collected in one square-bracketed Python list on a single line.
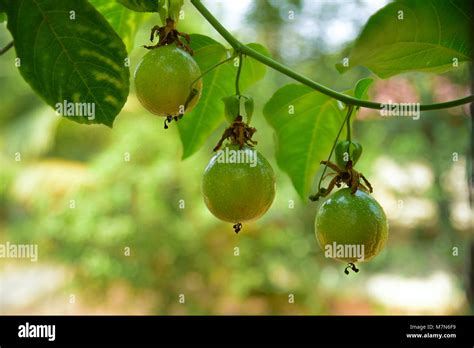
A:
[(122, 228)]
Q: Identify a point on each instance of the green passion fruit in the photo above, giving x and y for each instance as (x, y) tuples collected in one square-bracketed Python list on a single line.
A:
[(238, 184), (167, 81), (351, 227)]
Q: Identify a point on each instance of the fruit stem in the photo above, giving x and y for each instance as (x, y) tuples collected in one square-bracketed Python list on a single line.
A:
[(237, 77), (348, 125), (210, 69), (241, 48), (346, 119)]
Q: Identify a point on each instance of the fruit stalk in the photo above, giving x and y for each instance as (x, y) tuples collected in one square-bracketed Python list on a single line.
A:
[(237, 77), (346, 119)]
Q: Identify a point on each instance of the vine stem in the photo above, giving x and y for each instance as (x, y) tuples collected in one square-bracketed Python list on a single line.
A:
[(245, 50), (237, 77), (6, 48)]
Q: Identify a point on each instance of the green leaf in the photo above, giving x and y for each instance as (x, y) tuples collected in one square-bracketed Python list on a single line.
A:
[(124, 21), (432, 35), (252, 70), (68, 52), (175, 8), (362, 88), (196, 126), (3, 17), (143, 5), (162, 11), (235, 105), (306, 124)]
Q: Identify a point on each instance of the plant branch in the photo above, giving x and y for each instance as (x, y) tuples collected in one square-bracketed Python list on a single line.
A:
[(6, 48), (237, 77), (241, 48)]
